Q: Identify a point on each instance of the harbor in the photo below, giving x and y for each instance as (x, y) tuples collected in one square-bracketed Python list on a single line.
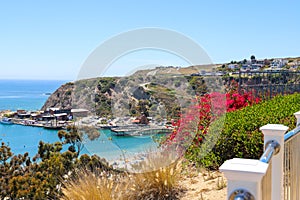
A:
[(56, 119), (23, 139), (52, 118), (24, 123)]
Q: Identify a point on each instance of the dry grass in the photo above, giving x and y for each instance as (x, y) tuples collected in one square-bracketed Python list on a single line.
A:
[(152, 179), (159, 184), (221, 183), (208, 175), (158, 177), (89, 186)]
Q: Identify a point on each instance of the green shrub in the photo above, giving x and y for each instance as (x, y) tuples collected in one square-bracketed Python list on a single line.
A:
[(240, 135), (68, 92)]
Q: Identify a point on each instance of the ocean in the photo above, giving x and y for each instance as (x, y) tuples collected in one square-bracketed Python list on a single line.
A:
[(31, 95), (25, 94)]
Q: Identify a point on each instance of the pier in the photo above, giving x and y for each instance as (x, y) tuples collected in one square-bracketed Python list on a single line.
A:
[(140, 131)]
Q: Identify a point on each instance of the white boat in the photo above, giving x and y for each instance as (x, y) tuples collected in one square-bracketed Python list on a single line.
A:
[(6, 121)]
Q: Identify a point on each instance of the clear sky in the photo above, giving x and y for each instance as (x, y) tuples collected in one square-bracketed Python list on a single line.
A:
[(52, 39)]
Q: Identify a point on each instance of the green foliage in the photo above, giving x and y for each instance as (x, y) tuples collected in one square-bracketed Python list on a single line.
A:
[(196, 85), (177, 83), (69, 92), (106, 84), (240, 135), (167, 96), (40, 177), (101, 99), (93, 163), (72, 137)]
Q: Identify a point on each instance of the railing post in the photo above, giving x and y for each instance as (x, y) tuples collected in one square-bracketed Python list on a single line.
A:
[(276, 132), (297, 115), (244, 175)]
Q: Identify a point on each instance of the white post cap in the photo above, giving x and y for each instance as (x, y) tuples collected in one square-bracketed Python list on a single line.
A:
[(297, 115), (244, 169), (274, 129), (245, 174)]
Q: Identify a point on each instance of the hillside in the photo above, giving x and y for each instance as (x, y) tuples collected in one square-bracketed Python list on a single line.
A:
[(61, 98), (158, 93)]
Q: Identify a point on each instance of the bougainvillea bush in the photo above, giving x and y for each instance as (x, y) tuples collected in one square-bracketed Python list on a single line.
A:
[(192, 128), (237, 134), (206, 109)]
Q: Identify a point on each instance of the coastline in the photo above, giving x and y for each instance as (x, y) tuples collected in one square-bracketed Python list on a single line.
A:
[(119, 151)]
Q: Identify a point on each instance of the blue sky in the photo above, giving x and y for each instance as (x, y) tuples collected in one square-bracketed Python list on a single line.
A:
[(52, 39)]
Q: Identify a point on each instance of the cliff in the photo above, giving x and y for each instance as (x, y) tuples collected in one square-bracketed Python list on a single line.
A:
[(61, 98), (154, 93)]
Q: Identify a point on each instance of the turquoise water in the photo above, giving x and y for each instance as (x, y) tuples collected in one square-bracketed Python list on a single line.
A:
[(23, 139), (30, 95), (115, 147)]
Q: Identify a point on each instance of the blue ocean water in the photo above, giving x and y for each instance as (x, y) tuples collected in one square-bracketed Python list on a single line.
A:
[(25, 94), (30, 95)]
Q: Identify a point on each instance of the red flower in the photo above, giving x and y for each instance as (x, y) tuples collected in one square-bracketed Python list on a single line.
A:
[(204, 110)]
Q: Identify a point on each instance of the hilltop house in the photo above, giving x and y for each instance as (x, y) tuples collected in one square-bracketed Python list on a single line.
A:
[(233, 66), (278, 63)]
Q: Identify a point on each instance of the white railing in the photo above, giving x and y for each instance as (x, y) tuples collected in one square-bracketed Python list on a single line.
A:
[(291, 178), (275, 176)]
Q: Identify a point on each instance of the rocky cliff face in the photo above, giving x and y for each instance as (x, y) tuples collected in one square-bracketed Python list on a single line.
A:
[(155, 95), (91, 94), (61, 98)]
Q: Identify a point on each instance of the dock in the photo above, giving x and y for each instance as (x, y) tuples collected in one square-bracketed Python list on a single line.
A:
[(140, 131), (34, 123), (53, 127)]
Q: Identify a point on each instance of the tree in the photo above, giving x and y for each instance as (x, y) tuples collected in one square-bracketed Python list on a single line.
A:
[(40, 177), (73, 137), (253, 59)]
